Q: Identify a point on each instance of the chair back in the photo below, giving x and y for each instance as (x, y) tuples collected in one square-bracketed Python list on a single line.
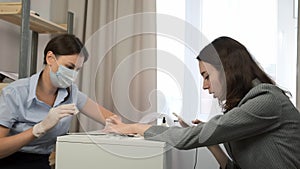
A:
[(2, 85)]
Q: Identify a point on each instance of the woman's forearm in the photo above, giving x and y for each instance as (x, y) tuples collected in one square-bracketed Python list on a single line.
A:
[(95, 111), (11, 144)]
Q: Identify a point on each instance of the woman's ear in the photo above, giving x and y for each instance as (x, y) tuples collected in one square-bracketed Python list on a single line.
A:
[(50, 58)]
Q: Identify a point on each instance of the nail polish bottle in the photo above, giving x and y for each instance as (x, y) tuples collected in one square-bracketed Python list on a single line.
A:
[(164, 122)]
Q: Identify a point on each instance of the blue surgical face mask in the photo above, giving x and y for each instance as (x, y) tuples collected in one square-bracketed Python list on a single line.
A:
[(64, 77)]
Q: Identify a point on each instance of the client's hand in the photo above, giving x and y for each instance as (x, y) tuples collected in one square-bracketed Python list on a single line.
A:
[(184, 124), (196, 121)]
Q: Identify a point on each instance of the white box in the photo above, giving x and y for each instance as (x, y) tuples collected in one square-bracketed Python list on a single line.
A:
[(110, 152)]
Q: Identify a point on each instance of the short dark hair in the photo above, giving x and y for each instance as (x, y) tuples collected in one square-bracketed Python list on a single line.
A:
[(239, 67), (66, 44)]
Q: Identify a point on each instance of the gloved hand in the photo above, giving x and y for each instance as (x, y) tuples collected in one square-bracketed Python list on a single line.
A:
[(114, 119), (53, 117), (111, 121), (108, 124)]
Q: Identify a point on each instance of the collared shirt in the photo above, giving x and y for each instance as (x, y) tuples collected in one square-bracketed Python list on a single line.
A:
[(20, 109)]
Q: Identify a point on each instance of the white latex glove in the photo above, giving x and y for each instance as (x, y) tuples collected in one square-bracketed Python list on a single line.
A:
[(53, 117), (109, 122), (114, 119)]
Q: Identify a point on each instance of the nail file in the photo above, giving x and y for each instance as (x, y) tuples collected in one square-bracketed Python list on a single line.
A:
[(180, 118)]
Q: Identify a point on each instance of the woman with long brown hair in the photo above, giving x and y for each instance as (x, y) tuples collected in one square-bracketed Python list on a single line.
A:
[(260, 127)]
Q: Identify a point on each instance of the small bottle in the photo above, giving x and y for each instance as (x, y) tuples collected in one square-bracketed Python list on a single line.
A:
[(164, 122)]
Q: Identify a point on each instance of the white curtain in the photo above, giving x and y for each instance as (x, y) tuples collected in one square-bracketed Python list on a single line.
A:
[(120, 73)]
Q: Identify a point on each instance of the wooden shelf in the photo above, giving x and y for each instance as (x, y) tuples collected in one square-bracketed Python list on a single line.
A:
[(11, 12)]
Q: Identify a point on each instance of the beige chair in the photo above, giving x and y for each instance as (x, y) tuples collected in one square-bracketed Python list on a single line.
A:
[(2, 85), (52, 160)]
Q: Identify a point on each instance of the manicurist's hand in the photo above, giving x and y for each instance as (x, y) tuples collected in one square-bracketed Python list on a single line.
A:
[(115, 125), (114, 119), (121, 128), (53, 117)]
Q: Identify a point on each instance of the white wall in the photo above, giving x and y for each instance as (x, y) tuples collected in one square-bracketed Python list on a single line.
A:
[(10, 38), (9, 45)]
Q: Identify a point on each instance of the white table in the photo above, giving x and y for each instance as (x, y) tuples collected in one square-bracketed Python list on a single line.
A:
[(110, 152)]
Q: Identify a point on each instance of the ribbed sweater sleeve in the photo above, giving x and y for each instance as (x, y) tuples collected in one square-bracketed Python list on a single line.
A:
[(263, 131), (257, 114)]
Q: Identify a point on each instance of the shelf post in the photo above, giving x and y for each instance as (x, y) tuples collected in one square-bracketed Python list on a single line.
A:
[(24, 46), (70, 21), (34, 52)]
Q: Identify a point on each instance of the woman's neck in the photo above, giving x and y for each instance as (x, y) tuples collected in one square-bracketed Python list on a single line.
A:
[(45, 90)]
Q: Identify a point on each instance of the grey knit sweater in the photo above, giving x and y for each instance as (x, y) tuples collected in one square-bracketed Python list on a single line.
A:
[(262, 132)]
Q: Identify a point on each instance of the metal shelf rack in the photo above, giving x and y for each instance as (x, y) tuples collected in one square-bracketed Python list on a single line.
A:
[(19, 13)]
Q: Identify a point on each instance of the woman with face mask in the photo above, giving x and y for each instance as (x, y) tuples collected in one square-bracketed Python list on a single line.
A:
[(260, 127), (35, 110)]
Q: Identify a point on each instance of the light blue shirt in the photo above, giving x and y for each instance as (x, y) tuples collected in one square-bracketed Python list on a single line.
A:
[(20, 109)]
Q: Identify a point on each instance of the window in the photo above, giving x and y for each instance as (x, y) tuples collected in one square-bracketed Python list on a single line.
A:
[(267, 28)]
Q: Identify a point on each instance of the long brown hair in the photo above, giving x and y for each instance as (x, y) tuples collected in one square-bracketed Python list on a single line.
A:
[(230, 56)]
